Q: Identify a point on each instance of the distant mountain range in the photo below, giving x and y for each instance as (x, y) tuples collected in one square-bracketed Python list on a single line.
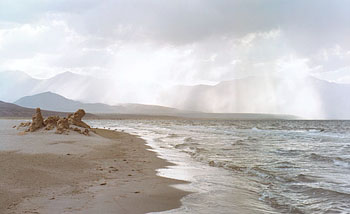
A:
[(307, 97), (17, 84), (12, 110), (55, 102)]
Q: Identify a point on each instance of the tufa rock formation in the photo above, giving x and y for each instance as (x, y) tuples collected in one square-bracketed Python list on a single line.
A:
[(75, 119), (51, 122), (37, 121), (62, 125), (86, 132), (24, 124)]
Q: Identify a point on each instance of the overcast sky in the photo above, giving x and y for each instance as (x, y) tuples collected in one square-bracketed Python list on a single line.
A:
[(176, 41), (158, 43)]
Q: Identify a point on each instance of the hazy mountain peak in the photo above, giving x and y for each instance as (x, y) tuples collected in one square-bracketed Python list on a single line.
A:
[(55, 102), (47, 94), (49, 101), (307, 97), (15, 74), (17, 84), (67, 76)]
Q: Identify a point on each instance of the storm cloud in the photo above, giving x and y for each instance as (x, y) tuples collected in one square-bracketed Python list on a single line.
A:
[(157, 43)]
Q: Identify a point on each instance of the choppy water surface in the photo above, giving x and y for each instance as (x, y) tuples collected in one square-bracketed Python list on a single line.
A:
[(253, 166)]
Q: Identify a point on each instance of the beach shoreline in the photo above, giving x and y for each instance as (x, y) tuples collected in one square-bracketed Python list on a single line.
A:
[(108, 172)]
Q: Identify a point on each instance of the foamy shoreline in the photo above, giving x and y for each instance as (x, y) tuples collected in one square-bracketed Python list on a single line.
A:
[(111, 172)]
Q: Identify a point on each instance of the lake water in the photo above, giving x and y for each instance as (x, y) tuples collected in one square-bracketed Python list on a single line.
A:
[(252, 166)]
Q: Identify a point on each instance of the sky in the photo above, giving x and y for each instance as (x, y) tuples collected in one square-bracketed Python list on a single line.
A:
[(160, 43)]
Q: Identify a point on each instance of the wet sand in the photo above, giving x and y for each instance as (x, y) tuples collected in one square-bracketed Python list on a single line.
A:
[(108, 172)]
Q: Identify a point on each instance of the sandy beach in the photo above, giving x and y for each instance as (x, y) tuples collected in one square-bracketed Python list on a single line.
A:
[(107, 172)]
